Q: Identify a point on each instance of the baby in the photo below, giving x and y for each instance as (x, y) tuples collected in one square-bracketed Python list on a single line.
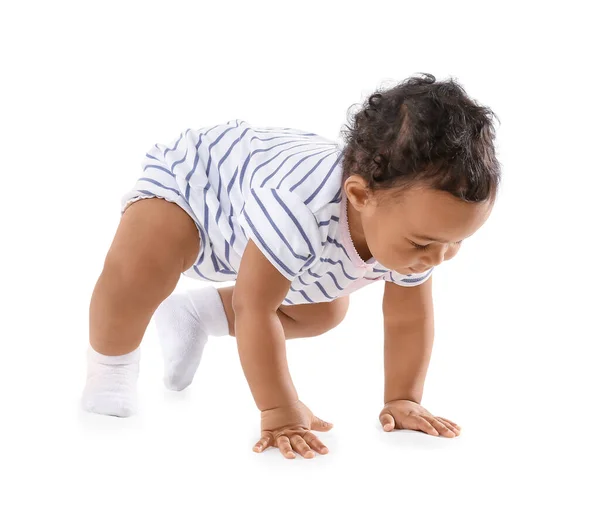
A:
[(299, 224)]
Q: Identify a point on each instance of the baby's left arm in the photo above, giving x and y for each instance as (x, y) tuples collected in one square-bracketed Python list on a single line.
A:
[(408, 341)]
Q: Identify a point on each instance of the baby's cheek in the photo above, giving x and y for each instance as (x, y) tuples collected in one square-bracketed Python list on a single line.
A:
[(394, 259)]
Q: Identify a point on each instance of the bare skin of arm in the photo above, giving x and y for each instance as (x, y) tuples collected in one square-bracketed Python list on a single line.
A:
[(259, 291), (408, 342), (285, 421)]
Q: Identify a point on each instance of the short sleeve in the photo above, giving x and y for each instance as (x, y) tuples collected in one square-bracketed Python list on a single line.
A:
[(412, 280), (283, 228)]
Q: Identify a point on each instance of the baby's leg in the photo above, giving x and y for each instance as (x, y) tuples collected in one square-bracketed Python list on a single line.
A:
[(155, 242), (185, 321), (298, 321)]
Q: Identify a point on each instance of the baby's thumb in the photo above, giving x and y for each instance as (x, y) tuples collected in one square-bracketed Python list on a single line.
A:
[(320, 425), (387, 421)]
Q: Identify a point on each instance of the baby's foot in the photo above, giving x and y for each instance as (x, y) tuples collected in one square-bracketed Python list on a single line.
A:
[(110, 388), (184, 322)]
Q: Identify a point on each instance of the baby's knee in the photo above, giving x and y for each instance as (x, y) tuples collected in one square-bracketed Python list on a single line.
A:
[(339, 310), (331, 314), (136, 271)]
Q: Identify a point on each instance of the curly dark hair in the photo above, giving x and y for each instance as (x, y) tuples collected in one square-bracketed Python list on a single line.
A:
[(424, 132)]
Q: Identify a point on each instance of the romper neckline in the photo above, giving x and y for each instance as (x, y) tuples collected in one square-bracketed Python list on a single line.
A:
[(355, 257)]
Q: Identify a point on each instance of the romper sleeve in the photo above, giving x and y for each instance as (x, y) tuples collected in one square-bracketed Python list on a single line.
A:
[(283, 227), (412, 280)]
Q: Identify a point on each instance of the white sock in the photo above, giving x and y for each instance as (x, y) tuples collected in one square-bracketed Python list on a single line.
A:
[(184, 322), (111, 383)]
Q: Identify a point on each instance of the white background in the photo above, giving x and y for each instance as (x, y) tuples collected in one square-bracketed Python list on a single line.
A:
[(88, 88)]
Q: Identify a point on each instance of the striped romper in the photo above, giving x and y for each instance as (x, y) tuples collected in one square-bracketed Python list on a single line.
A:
[(280, 187)]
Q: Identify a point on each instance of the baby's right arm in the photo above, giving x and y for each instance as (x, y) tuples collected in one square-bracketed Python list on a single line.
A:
[(259, 290), (258, 293)]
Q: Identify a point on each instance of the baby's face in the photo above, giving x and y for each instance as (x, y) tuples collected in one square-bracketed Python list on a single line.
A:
[(416, 231)]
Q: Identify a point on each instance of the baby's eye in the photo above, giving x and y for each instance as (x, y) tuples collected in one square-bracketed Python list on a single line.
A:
[(419, 246)]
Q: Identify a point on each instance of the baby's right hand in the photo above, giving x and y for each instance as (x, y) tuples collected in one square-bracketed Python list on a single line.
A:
[(289, 427)]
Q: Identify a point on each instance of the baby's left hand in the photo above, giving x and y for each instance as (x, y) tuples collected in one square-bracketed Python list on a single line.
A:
[(406, 414)]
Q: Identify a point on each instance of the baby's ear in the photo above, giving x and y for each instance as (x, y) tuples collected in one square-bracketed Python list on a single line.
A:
[(357, 191)]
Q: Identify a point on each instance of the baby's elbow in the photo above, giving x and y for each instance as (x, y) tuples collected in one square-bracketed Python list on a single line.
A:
[(243, 302)]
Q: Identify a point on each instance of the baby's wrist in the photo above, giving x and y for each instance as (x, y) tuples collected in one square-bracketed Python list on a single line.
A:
[(284, 404), (408, 398)]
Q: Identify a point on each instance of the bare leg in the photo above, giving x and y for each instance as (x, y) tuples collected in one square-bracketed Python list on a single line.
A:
[(299, 321), (156, 240), (186, 320)]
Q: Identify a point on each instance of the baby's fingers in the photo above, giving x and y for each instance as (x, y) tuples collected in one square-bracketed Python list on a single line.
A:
[(387, 421), (455, 428), (441, 427), (263, 443), (448, 422), (416, 422), (301, 446), (283, 443), (315, 443)]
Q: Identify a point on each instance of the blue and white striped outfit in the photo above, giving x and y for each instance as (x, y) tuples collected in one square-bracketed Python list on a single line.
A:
[(280, 187)]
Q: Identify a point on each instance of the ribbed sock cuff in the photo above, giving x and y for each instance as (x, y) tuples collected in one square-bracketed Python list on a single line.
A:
[(99, 358)]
